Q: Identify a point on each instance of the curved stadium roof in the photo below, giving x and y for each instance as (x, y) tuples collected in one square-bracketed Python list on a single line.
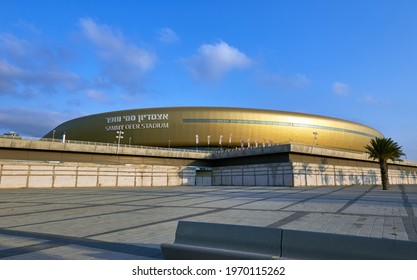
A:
[(212, 127)]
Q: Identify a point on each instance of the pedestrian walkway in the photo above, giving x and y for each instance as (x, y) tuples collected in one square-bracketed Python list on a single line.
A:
[(130, 223)]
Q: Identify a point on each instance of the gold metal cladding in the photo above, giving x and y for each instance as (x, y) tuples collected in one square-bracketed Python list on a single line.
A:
[(215, 127)]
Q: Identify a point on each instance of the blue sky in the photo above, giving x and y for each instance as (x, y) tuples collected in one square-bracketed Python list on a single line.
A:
[(353, 59)]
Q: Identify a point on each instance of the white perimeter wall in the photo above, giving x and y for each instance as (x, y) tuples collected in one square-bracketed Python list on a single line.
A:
[(302, 174), (275, 174), (333, 175), (58, 175)]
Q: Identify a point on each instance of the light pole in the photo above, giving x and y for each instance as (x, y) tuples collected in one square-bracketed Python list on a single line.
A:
[(53, 135), (315, 133), (221, 142), (314, 140), (119, 136)]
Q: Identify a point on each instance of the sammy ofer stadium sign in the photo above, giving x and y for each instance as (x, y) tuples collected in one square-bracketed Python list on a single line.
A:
[(144, 121)]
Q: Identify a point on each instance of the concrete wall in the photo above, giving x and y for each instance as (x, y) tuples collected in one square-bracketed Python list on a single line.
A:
[(299, 174), (52, 164), (203, 178), (99, 148), (306, 174), (58, 175), (274, 174)]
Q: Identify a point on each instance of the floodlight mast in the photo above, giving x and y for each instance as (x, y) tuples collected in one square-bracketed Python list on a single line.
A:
[(119, 136)]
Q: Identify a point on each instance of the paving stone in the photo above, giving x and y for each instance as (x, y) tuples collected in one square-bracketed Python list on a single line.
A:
[(130, 223)]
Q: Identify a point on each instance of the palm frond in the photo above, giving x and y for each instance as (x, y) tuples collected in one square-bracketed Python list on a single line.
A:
[(384, 149)]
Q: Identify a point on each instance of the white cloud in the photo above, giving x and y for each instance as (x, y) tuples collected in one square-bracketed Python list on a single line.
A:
[(167, 36), (284, 82), (8, 74), (123, 62), (13, 47), (340, 89), (28, 68), (372, 100), (212, 62), (97, 95), (30, 122)]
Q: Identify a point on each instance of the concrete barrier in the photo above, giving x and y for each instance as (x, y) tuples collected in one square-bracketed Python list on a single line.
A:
[(328, 246), (208, 241), (55, 175)]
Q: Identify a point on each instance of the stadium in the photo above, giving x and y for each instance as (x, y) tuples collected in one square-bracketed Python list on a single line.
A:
[(156, 147), (215, 128)]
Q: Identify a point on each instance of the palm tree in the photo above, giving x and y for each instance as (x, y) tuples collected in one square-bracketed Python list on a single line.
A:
[(384, 149)]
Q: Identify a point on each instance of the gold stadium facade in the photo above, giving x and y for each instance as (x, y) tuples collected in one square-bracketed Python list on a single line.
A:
[(215, 127)]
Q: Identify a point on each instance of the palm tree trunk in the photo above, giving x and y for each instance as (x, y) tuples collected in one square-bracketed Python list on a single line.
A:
[(384, 174)]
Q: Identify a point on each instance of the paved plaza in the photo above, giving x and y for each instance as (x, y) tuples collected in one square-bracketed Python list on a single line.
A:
[(130, 223)]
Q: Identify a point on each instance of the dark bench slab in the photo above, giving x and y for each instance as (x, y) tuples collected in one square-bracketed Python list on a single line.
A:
[(328, 246), (197, 240)]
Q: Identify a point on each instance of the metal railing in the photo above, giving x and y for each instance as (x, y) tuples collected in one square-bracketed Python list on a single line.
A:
[(202, 151), (24, 138)]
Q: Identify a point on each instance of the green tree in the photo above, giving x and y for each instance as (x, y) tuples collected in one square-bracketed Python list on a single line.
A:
[(384, 149)]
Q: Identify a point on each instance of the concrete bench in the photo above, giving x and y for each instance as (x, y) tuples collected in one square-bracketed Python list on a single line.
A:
[(196, 240), (328, 246), (207, 241)]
